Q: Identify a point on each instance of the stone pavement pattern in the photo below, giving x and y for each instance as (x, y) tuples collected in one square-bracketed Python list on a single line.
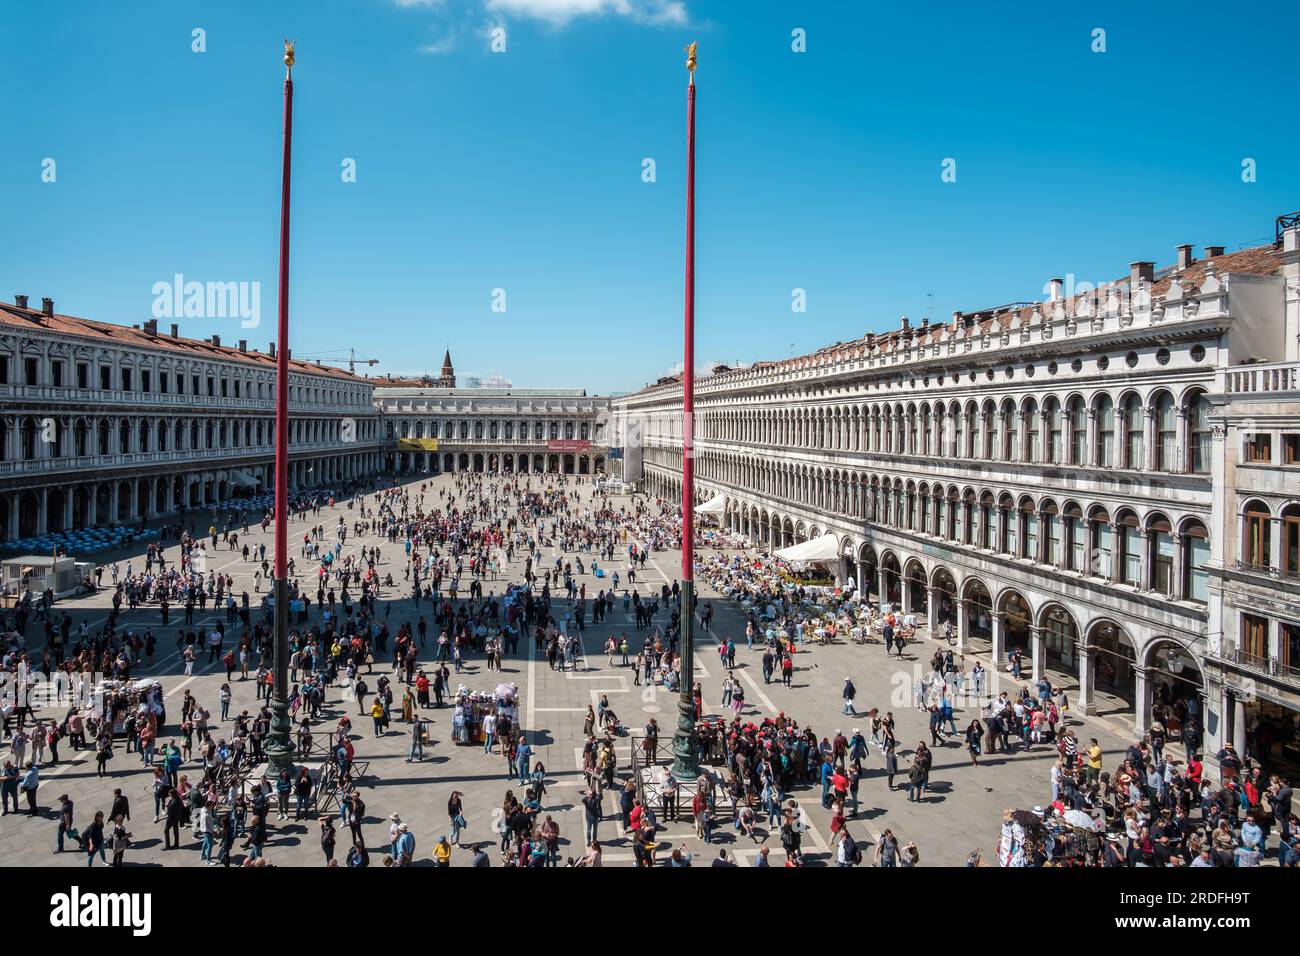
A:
[(961, 812)]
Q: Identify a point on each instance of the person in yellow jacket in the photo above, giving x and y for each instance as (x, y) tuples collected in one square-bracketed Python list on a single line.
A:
[(442, 852), (377, 712)]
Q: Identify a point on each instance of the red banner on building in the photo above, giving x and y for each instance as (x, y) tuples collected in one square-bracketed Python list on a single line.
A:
[(568, 444)]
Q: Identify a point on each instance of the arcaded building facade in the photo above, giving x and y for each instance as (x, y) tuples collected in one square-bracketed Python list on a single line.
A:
[(1063, 477), (106, 424), (439, 428)]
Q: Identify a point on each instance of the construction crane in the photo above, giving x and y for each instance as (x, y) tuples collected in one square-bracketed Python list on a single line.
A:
[(351, 361)]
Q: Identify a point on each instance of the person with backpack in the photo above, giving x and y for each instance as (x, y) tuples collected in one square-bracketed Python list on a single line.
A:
[(887, 849)]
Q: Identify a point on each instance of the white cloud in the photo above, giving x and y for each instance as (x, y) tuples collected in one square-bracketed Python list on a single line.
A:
[(553, 13), (560, 12), (444, 44)]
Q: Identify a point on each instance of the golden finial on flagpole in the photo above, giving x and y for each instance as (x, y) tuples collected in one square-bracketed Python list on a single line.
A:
[(288, 56), (690, 59)]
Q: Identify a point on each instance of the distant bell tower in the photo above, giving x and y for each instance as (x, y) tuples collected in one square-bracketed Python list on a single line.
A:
[(448, 377)]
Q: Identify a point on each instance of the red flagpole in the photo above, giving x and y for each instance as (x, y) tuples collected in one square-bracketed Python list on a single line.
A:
[(282, 355), (686, 767), (688, 372), (279, 750)]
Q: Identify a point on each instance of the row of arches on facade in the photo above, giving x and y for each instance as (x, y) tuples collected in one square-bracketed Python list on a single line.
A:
[(31, 436), (53, 508), (497, 463), (1154, 429)]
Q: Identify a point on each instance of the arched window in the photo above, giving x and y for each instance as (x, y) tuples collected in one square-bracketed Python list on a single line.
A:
[(1198, 426), (1011, 441), (1166, 433), (1007, 535), (1103, 544), (1074, 538), (1255, 544), (1078, 432), (1134, 447), (969, 449), (991, 444), (1130, 550), (986, 521), (1028, 530), (1055, 431), (1051, 532), (1196, 580), (1291, 545), (1104, 453), (1161, 541), (1033, 432)]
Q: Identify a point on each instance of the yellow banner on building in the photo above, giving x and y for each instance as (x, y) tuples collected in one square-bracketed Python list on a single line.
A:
[(417, 444)]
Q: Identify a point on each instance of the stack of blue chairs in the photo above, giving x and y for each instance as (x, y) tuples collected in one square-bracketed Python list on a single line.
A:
[(80, 541)]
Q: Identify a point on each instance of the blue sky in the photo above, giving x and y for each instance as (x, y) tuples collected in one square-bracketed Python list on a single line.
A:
[(522, 170)]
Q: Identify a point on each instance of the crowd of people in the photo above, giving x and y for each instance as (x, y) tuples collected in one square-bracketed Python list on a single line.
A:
[(464, 569)]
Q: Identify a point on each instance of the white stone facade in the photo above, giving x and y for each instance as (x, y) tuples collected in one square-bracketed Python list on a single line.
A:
[(495, 430), (1049, 476), (106, 425)]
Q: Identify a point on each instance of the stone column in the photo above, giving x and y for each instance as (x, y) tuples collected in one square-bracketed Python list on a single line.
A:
[(1090, 449), (1141, 699), (1238, 724), (1181, 449), (1114, 554), (1038, 645), (999, 638), (1146, 568), (1149, 440), (963, 626), (1083, 700), (43, 511), (932, 611)]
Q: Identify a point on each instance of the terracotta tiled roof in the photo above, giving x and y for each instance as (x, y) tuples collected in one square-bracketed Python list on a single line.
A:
[(1257, 260), (14, 317)]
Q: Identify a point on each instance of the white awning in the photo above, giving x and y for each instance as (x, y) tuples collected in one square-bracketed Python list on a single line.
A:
[(817, 551), (717, 506), (243, 479)]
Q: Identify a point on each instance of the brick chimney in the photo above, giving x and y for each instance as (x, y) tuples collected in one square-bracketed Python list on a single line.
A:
[(1141, 272), (1056, 286), (271, 351), (216, 340), (20, 301), (1185, 257), (151, 326), (243, 345), (47, 306), (1213, 252)]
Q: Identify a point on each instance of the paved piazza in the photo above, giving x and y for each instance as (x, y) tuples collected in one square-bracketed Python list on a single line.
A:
[(960, 813)]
